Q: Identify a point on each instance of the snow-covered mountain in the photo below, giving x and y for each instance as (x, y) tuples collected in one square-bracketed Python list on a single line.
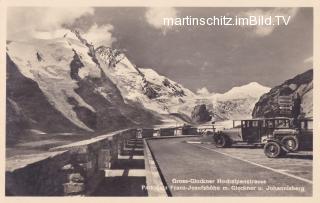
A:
[(67, 84), (253, 90), (237, 103), (88, 88), (141, 85)]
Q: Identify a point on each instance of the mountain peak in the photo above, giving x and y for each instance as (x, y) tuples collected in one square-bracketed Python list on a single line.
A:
[(252, 89), (254, 84)]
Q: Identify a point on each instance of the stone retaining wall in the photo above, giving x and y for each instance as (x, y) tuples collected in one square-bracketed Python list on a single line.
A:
[(74, 169), (77, 168)]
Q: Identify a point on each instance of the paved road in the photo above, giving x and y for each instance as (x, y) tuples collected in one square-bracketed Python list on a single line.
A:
[(180, 161)]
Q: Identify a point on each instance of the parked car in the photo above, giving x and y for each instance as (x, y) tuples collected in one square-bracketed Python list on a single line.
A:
[(250, 131), (299, 137)]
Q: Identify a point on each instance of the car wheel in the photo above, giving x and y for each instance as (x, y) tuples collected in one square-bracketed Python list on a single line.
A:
[(291, 143), (220, 140), (272, 150)]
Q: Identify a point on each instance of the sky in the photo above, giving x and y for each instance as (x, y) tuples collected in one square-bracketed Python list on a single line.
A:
[(213, 58)]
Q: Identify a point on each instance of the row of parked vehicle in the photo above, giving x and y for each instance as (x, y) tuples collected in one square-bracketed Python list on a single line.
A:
[(279, 136)]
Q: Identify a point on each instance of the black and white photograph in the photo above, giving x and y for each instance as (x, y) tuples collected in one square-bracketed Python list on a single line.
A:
[(163, 101)]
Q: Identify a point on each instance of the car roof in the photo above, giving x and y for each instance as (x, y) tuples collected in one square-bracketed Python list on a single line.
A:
[(307, 119), (259, 119)]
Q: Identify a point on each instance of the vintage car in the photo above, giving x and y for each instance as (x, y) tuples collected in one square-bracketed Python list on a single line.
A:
[(250, 131), (278, 135), (299, 137)]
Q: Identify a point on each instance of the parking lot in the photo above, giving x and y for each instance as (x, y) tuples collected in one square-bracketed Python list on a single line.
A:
[(195, 169)]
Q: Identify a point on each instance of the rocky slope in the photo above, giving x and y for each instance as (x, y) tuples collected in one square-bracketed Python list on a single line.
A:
[(63, 88), (28, 107), (301, 85), (66, 85)]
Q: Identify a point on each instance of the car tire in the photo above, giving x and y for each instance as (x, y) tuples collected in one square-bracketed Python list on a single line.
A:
[(220, 141), (273, 150), (291, 143)]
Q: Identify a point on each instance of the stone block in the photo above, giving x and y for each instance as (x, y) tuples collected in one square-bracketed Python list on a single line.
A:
[(83, 157), (87, 169), (121, 146), (87, 165), (80, 149), (104, 159), (73, 188), (95, 146), (67, 167), (76, 178)]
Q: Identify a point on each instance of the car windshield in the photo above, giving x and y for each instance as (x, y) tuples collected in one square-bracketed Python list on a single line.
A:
[(284, 123), (277, 123), (307, 125)]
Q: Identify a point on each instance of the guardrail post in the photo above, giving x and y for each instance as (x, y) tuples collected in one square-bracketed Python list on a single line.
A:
[(78, 171), (121, 144), (85, 172)]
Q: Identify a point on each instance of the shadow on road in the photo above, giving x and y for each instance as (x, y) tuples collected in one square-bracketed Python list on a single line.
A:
[(129, 164), (298, 156), (132, 153)]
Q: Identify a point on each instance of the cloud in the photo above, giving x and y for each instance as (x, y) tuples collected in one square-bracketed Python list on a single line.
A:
[(308, 60), (154, 16), (100, 35), (29, 22), (203, 91), (264, 30), (204, 66)]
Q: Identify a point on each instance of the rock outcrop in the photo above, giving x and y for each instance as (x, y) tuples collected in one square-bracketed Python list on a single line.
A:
[(200, 114), (299, 87)]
